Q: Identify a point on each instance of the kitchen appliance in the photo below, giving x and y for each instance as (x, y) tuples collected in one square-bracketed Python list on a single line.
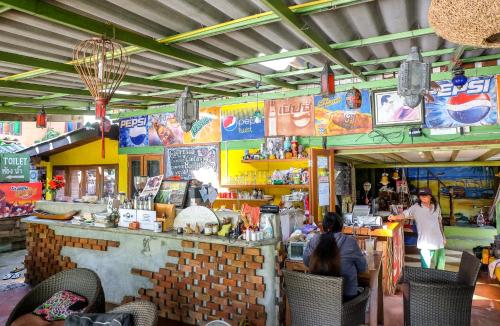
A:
[(296, 250), (271, 213), (370, 221), (140, 183), (127, 216)]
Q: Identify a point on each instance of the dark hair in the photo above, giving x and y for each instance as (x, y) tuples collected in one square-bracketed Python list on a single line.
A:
[(325, 259), (332, 222), (433, 201)]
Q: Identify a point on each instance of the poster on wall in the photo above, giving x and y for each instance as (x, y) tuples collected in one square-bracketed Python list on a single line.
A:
[(290, 117), (475, 104), (206, 129), (238, 121), (334, 118), (134, 131), (389, 109), (164, 130), (18, 199)]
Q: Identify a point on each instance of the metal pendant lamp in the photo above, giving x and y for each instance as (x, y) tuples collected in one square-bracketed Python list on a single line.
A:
[(414, 79), (41, 119), (186, 110), (102, 65), (327, 81)]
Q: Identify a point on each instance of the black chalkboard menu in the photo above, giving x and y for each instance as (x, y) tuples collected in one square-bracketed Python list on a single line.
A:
[(192, 162)]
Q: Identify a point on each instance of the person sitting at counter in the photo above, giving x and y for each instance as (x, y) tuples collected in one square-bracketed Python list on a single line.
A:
[(427, 215), (333, 253)]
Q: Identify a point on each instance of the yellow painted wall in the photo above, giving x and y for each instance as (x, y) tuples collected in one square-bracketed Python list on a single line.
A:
[(123, 174), (88, 154)]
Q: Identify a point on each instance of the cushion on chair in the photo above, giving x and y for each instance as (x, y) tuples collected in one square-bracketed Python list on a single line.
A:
[(109, 319), (60, 305), (30, 319)]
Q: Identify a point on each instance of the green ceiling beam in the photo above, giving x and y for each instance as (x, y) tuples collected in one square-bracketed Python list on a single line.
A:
[(307, 51), (69, 68), (313, 38), (28, 110), (68, 103), (4, 9), (65, 17), (457, 54), (75, 91)]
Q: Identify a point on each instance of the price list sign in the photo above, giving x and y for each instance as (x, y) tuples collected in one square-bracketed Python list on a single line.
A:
[(193, 162)]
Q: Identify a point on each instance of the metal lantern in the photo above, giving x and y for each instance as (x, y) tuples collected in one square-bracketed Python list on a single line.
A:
[(459, 79), (385, 179), (327, 81), (41, 119), (186, 110), (101, 64), (353, 98), (414, 78)]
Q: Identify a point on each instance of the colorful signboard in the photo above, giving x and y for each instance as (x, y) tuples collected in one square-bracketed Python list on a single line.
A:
[(332, 117), (206, 129), (475, 104), (163, 130), (389, 109), (290, 117), (14, 167), (238, 121), (18, 199), (134, 131)]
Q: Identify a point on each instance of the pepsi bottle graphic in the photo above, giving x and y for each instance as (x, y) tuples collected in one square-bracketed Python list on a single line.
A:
[(272, 120)]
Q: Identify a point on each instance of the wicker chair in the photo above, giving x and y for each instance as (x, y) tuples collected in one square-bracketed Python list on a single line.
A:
[(435, 297), (317, 300), (143, 312), (79, 280)]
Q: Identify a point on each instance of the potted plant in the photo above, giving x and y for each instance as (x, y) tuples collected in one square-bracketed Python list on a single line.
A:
[(54, 185)]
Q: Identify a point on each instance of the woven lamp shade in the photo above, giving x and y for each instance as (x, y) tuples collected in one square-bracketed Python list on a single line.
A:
[(467, 22)]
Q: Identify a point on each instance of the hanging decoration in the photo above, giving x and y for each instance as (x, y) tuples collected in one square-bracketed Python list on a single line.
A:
[(473, 23), (187, 110), (459, 79), (395, 175), (414, 79), (385, 179), (257, 115), (41, 119), (102, 65), (353, 98), (327, 81)]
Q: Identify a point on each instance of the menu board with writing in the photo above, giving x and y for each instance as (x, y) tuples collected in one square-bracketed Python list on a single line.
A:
[(199, 162)]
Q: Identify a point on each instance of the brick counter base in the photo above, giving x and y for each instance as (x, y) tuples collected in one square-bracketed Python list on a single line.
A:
[(44, 252), (209, 282)]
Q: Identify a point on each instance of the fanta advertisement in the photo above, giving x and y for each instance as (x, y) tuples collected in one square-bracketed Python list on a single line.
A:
[(474, 104), (134, 131), (242, 121)]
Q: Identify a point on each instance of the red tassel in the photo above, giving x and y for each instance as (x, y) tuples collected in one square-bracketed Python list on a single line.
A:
[(102, 138)]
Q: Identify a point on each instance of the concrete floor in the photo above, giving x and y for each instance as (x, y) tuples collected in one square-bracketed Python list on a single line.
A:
[(485, 307)]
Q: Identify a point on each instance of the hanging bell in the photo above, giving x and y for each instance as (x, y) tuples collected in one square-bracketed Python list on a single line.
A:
[(327, 81), (41, 119), (353, 98), (385, 179), (395, 175)]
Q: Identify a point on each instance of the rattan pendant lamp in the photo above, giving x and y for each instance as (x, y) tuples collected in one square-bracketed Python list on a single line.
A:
[(467, 22), (101, 64)]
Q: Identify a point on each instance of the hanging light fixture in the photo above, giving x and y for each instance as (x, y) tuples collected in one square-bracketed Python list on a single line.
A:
[(414, 78), (327, 81), (257, 115), (101, 64), (353, 98), (41, 119), (459, 79), (186, 110)]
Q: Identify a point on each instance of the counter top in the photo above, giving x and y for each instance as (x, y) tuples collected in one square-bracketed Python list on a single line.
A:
[(169, 235), (59, 207), (387, 231)]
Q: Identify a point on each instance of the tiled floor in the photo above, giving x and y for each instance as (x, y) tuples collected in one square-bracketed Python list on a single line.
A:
[(485, 311)]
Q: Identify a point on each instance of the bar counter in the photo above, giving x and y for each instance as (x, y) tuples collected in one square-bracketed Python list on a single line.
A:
[(390, 242), (191, 278)]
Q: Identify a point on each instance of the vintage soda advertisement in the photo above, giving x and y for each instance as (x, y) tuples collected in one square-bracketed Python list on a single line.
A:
[(134, 131), (242, 121), (18, 199), (290, 117)]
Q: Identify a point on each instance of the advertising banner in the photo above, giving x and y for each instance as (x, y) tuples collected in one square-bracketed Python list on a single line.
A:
[(290, 117), (475, 104), (238, 121), (14, 167), (134, 131), (206, 129), (18, 199), (334, 118), (163, 130)]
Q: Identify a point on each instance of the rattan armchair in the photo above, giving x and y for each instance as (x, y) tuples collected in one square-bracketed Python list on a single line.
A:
[(79, 280), (144, 313), (434, 297), (317, 300)]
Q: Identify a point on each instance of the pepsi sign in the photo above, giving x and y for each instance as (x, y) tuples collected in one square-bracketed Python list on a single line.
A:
[(238, 122), (134, 131), (474, 104)]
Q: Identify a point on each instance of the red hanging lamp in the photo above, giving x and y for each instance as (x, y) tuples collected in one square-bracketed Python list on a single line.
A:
[(327, 81), (41, 119), (102, 65)]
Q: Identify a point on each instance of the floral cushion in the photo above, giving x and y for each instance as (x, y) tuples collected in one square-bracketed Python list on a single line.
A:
[(61, 305)]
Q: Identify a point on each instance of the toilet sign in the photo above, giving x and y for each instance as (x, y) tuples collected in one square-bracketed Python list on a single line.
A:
[(14, 167)]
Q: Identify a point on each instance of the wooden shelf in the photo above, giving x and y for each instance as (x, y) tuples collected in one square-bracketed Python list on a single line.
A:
[(246, 200), (265, 186), (287, 160)]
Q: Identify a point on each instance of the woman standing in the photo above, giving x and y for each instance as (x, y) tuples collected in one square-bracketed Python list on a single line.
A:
[(427, 215)]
